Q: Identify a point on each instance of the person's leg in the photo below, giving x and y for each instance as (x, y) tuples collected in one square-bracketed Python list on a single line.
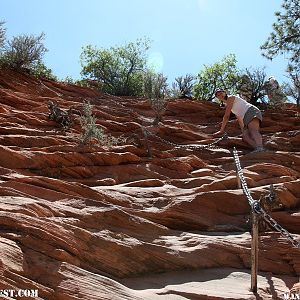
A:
[(254, 126), (248, 139)]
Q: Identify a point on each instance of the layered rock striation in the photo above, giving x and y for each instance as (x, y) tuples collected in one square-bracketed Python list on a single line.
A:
[(110, 222)]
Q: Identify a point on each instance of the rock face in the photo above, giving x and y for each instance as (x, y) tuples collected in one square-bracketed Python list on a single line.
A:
[(96, 222)]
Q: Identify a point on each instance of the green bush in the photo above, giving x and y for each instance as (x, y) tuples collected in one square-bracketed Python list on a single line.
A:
[(83, 83), (23, 52), (39, 70), (223, 74), (120, 69), (69, 80)]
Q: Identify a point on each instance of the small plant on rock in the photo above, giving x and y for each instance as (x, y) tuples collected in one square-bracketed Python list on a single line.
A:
[(156, 89), (60, 116), (93, 132)]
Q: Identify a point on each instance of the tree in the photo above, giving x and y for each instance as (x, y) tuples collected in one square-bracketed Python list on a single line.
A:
[(120, 69), (251, 85), (183, 86), (285, 38), (292, 89), (223, 74), (2, 34), (23, 51)]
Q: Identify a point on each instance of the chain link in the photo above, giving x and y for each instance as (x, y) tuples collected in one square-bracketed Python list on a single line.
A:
[(280, 229), (246, 191), (212, 145), (256, 207)]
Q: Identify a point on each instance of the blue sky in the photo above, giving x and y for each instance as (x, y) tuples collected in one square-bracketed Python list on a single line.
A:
[(186, 34)]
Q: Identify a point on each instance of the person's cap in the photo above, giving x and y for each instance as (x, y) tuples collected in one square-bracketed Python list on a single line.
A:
[(219, 91)]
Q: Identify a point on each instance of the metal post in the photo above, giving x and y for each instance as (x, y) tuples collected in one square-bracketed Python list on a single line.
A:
[(254, 251), (147, 143), (239, 184)]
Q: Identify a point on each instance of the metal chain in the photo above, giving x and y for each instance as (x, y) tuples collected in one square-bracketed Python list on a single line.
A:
[(255, 205), (246, 191), (279, 228), (212, 145)]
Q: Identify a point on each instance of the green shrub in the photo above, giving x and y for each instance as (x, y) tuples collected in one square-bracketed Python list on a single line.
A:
[(39, 70), (69, 80), (23, 52), (223, 74), (120, 69)]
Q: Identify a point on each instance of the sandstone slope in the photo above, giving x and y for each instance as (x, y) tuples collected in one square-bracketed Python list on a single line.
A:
[(97, 222)]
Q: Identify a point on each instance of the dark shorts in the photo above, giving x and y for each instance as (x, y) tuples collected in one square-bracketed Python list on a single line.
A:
[(251, 113)]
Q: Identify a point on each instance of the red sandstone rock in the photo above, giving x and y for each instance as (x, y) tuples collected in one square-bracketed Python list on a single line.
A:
[(97, 222)]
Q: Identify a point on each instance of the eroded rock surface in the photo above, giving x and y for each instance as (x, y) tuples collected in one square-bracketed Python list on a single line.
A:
[(97, 222)]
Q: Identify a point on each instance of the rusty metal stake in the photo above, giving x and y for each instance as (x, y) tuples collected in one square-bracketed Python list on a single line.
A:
[(147, 143), (254, 251), (239, 184)]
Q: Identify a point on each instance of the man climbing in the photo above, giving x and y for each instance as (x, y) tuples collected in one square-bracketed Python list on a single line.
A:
[(276, 97)]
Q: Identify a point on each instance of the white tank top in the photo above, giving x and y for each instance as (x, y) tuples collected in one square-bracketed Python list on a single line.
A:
[(240, 106)]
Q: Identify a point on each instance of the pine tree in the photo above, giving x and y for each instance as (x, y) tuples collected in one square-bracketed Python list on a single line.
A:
[(292, 89), (285, 38)]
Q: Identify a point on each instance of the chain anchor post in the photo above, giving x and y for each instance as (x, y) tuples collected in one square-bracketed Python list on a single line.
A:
[(258, 212), (239, 183), (145, 133), (254, 251)]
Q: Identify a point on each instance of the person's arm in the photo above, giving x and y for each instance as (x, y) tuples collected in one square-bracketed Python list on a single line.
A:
[(241, 123), (226, 116)]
